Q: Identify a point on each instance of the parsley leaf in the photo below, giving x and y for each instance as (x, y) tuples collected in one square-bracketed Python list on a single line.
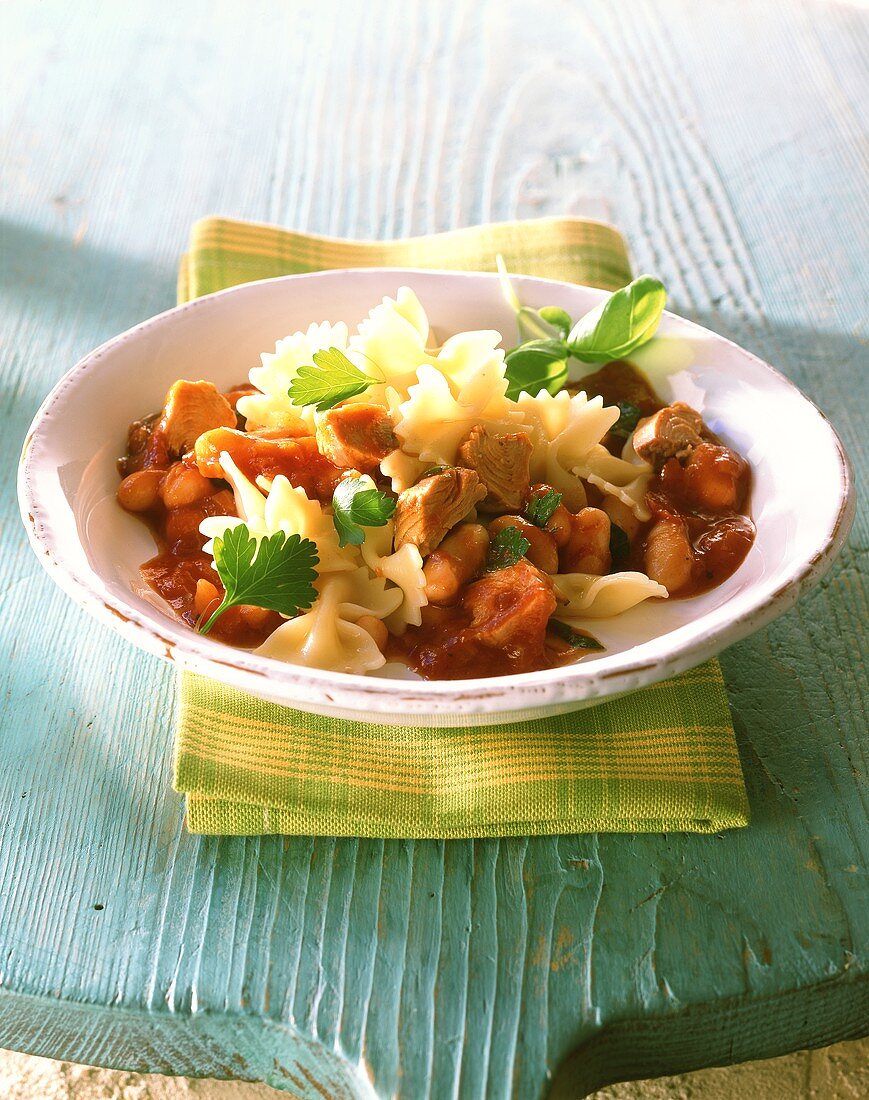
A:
[(276, 572), (578, 641), (331, 379), (357, 504), (620, 546), (627, 421), (540, 508), (535, 366), (506, 548)]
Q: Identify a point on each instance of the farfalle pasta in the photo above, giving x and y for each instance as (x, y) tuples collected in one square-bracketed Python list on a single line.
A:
[(369, 496)]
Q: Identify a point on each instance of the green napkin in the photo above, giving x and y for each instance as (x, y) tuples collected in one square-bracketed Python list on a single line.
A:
[(661, 759)]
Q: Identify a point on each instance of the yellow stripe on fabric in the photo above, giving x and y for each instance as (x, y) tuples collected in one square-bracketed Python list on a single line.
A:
[(491, 770), (667, 767), (240, 730), (663, 758), (231, 736)]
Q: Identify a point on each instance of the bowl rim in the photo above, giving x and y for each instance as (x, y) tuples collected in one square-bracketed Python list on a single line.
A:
[(621, 672)]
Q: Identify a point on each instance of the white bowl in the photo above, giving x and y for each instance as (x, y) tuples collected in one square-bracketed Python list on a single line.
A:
[(801, 502)]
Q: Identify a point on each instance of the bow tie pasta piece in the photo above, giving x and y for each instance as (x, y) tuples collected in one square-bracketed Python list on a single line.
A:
[(588, 596), (627, 481), (249, 501), (403, 470), (272, 408), (466, 354), (434, 422), (403, 568), (328, 636), (564, 429), (390, 344), (286, 509)]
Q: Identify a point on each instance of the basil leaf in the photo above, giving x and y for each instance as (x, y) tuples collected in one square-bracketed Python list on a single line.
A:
[(357, 504), (506, 548), (535, 366), (620, 546), (560, 318), (627, 421), (620, 324), (578, 641), (539, 509), (276, 573)]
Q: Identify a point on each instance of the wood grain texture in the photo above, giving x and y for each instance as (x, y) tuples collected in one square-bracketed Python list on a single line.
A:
[(728, 142)]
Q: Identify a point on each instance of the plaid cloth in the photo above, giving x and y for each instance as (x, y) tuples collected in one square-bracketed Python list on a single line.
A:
[(661, 759)]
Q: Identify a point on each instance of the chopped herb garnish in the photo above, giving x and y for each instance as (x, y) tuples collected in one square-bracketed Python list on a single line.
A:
[(627, 421), (535, 366), (506, 548), (539, 509), (432, 470), (578, 641), (620, 546), (276, 572), (332, 378), (357, 504)]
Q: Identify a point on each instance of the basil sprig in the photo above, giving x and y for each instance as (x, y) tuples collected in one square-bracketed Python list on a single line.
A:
[(623, 322)]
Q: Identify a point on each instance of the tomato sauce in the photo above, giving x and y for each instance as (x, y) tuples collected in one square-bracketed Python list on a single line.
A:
[(620, 381), (441, 649), (268, 454), (174, 576)]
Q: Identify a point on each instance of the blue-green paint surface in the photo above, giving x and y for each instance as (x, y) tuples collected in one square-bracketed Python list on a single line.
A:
[(727, 141)]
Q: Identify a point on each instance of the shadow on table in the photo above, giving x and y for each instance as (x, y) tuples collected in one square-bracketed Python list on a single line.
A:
[(80, 284)]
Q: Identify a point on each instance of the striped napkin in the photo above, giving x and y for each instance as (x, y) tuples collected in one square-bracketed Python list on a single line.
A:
[(661, 759)]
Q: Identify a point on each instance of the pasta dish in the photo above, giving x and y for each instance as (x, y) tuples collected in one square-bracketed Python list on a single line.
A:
[(378, 496)]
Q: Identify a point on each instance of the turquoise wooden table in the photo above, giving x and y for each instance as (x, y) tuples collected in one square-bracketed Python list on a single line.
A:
[(726, 141)]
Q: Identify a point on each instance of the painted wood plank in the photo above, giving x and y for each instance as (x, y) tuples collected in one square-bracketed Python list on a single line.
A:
[(728, 142)]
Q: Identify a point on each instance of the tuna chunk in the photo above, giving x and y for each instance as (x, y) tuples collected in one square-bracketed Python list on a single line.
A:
[(503, 464), (673, 432), (356, 436), (192, 408), (428, 510), (510, 609)]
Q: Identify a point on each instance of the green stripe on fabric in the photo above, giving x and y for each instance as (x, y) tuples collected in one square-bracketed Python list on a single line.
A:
[(663, 758)]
